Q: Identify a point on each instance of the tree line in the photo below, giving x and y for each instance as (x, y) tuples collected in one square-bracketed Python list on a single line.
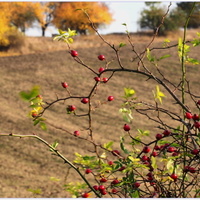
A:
[(152, 15), (16, 17)]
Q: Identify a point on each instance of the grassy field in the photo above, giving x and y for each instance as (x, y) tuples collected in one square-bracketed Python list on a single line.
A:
[(27, 166)]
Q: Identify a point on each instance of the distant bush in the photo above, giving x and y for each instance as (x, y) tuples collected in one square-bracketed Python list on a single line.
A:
[(11, 39)]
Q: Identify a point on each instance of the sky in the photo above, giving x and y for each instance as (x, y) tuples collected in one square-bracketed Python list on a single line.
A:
[(123, 12)]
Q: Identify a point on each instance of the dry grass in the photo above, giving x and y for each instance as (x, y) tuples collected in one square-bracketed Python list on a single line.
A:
[(26, 163)]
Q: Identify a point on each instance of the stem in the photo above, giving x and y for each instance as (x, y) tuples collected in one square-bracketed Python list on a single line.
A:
[(183, 68), (58, 154), (183, 56)]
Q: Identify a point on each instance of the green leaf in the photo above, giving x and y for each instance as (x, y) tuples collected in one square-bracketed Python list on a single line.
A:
[(163, 57), (153, 162), (108, 145), (128, 92), (143, 133), (192, 61), (122, 145), (55, 144), (28, 95), (158, 94), (36, 122), (149, 56), (135, 194), (54, 179), (170, 165), (35, 191), (43, 126), (122, 45)]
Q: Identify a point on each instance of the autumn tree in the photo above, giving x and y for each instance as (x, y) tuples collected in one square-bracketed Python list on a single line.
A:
[(9, 35), (44, 14), (65, 16), (23, 14), (4, 23)]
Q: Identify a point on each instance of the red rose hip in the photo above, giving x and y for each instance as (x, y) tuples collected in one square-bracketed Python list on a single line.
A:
[(110, 98), (74, 53), (146, 149), (188, 115), (101, 57), (64, 84), (126, 127), (101, 69), (85, 100)]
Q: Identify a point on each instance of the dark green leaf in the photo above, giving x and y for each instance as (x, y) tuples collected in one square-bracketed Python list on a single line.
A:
[(122, 45), (27, 96)]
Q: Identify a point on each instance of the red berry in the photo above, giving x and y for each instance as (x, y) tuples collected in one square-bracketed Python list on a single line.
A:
[(85, 100), (97, 79), (171, 149), (174, 176), (114, 182), (96, 187), (105, 80), (110, 98), (110, 162), (198, 102), (71, 108), (101, 69), (157, 148), (195, 151), (166, 132), (188, 115), (85, 195), (64, 84), (186, 168), (150, 174), (39, 96), (115, 152), (103, 192), (101, 57), (74, 53), (145, 158), (150, 178), (76, 133), (126, 127), (114, 190), (146, 149), (87, 171), (34, 114), (158, 136), (146, 163), (121, 168), (103, 180), (154, 154), (192, 170), (195, 117), (102, 187), (136, 184), (197, 124), (175, 154)]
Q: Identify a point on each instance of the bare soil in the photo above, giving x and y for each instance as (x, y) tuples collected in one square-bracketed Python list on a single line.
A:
[(27, 166)]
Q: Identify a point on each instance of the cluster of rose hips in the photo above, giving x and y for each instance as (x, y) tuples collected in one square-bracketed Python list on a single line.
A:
[(111, 187), (195, 118), (146, 149), (85, 100)]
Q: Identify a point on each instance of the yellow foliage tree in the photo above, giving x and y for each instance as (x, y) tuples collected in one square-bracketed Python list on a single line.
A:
[(67, 16), (23, 14), (44, 14), (5, 15)]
